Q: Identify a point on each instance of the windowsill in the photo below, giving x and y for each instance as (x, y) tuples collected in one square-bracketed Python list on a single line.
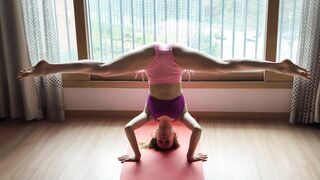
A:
[(247, 80), (194, 84)]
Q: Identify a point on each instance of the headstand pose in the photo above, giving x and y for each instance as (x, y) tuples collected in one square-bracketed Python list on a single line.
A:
[(164, 64)]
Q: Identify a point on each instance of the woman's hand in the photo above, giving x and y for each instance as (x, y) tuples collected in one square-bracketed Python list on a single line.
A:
[(128, 158), (197, 157)]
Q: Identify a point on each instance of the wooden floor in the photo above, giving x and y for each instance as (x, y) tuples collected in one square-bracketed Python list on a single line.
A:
[(87, 148)]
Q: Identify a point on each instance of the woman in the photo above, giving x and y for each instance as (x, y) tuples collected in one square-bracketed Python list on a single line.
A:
[(164, 64)]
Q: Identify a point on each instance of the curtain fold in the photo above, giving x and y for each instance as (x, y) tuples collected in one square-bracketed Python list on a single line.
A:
[(41, 31), (27, 37), (16, 97), (305, 94), (317, 111)]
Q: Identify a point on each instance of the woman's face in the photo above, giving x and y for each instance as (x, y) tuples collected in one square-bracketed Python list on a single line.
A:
[(165, 134)]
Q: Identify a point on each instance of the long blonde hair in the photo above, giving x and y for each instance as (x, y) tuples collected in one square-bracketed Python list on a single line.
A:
[(154, 145)]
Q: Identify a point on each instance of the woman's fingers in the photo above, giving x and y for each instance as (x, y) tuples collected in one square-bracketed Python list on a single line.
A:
[(200, 154), (198, 157), (202, 157), (123, 157), (126, 158)]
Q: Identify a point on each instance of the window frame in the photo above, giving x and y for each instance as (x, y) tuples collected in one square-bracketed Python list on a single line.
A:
[(261, 76)]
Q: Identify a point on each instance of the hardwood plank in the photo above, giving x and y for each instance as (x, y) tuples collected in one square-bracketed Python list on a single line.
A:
[(87, 148)]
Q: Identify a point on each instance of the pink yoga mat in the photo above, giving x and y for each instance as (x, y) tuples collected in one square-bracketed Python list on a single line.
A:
[(156, 165)]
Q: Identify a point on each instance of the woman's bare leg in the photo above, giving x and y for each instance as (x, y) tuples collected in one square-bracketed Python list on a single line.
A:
[(129, 62), (189, 58), (44, 68)]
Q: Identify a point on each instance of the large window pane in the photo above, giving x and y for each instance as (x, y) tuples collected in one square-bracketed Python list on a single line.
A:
[(288, 30), (66, 30), (221, 28)]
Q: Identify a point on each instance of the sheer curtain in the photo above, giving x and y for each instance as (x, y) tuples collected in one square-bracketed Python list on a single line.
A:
[(41, 33), (305, 94), (29, 33)]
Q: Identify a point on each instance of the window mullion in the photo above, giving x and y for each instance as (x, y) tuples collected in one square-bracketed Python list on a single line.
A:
[(81, 35), (271, 30), (271, 40), (80, 29)]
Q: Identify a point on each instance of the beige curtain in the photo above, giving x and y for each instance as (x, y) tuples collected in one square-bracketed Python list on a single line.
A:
[(28, 35), (42, 38), (18, 99), (305, 94), (317, 111)]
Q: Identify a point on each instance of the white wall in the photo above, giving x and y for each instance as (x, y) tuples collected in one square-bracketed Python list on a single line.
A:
[(215, 100)]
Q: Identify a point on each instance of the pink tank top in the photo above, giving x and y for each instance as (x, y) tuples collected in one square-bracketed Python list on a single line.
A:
[(163, 69)]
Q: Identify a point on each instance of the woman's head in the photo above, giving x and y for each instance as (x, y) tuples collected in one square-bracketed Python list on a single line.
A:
[(164, 138)]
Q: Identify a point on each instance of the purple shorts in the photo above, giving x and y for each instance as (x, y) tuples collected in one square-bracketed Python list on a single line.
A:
[(172, 108)]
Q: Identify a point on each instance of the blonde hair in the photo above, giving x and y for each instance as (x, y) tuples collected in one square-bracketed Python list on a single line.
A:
[(154, 145)]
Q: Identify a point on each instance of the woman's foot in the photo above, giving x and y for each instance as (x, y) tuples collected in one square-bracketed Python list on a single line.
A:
[(39, 69), (287, 67)]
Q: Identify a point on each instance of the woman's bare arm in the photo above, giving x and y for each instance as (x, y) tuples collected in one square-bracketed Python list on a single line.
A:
[(193, 125), (135, 123)]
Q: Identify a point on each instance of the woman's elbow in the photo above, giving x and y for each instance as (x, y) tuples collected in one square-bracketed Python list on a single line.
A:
[(128, 128), (197, 130)]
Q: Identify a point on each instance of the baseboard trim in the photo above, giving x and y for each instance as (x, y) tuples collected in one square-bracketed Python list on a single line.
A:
[(196, 114)]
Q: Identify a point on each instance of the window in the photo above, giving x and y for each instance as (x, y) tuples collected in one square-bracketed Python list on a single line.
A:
[(66, 30), (221, 28), (288, 30), (61, 23)]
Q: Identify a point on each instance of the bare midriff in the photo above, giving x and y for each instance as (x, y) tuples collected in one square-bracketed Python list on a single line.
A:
[(165, 91)]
